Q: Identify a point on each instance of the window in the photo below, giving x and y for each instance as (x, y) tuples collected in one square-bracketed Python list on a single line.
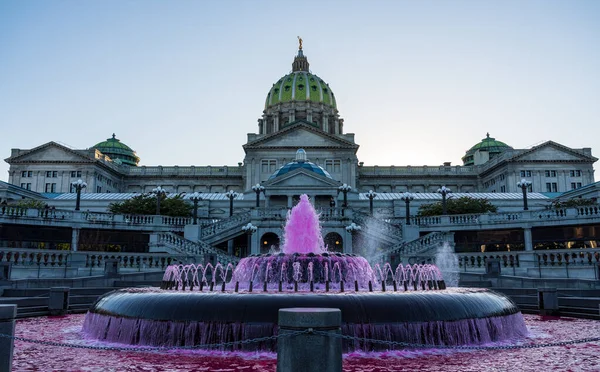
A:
[(525, 173), (554, 187), (575, 173), (50, 187), (550, 173), (530, 188), (578, 184), (548, 187), (268, 165), (54, 174), (501, 178), (573, 185), (49, 174), (75, 174), (28, 186), (502, 188), (333, 165), (98, 189), (24, 174)]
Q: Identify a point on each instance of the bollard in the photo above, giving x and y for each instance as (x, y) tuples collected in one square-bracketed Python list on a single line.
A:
[(548, 301), (111, 267), (223, 286), (7, 327), (309, 352), (58, 300), (250, 287), (395, 286), (265, 286), (341, 286)]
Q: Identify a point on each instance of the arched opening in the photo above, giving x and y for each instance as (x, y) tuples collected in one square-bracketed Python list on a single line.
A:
[(268, 242), (334, 242)]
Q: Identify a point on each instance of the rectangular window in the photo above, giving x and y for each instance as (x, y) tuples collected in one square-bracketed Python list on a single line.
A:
[(50, 187), (554, 187), (528, 173), (268, 165), (29, 174), (75, 174), (24, 174), (530, 188), (550, 173), (501, 177), (78, 173), (522, 173), (48, 174), (54, 174), (577, 173), (573, 185), (578, 184), (23, 185), (28, 186), (333, 165), (99, 189), (548, 187), (502, 188)]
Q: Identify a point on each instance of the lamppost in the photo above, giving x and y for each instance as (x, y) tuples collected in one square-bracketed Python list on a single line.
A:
[(195, 198), (78, 185), (353, 228), (371, 195), (159, 192), (444, 191), (524, 185), (249, 229), (258, 188), (407, 197), (344, 189), (231, 195)]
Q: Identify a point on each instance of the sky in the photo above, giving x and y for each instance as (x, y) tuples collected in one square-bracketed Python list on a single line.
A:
[(183, 82)]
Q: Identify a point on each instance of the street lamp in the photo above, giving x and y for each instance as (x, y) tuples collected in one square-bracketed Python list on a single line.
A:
[(231, 195), (195, 198), (159, 192), (407, 197), (444, 191), (78, 185), (353, 228), (371, 195), (344, 189), (249, 229), (524, 185), (258, 188)]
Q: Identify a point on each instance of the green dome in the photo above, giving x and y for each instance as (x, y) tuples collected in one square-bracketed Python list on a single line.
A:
[(118, 151), (300, 86), (489, 144)]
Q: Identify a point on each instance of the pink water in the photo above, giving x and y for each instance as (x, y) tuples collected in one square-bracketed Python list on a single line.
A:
[(302, 230), (580, 357)]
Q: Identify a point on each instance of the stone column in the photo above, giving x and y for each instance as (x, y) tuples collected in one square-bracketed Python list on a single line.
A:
[(527, 258), (309, 352), (230, 247), (336, 126), (7, 327), (290, 202), (75, 238), (276, 122), (528, 239), (325, 123), (348, 242)]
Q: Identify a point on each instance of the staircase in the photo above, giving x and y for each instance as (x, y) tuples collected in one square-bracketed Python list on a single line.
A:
[(224, 229), (198, 249), (423, 246), (377, 227)]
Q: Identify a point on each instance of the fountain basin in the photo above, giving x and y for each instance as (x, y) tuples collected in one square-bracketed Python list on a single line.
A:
[(173, 318)]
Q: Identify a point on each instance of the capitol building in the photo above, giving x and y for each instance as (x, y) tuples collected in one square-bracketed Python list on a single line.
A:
[(301, 112)]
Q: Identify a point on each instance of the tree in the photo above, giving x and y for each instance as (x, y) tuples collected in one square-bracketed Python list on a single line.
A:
[(173, 206), (463, 205), (31, 204), (575, 202)]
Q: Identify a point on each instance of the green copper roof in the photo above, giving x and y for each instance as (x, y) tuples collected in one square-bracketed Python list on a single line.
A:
[(118, 151), (300, 86), (488, 144)]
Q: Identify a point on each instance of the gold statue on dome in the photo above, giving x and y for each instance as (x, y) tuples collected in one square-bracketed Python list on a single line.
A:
[(300, 43)]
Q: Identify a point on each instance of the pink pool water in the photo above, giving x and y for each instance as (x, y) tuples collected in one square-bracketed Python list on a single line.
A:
[(580, 357)]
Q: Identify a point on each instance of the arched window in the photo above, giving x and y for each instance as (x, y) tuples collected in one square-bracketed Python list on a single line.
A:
[(334, 242), (268, 242)]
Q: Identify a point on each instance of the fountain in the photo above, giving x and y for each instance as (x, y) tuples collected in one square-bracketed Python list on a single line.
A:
[(206, 304)]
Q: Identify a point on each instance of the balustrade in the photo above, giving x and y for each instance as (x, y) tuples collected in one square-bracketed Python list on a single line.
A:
[(478, 260), (575, 257), (27, 257)]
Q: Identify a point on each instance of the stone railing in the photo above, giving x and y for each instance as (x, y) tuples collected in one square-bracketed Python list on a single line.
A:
[(420, 245), (477, 260), (188, 247), (225, 224), (568, 257), (133, 260), (184, 171), (35, 257), (532, 216), (371, 171)]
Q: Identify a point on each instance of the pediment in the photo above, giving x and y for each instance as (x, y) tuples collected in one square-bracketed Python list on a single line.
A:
[(301, 178), (301, 135), (50, 152), (551, 151)]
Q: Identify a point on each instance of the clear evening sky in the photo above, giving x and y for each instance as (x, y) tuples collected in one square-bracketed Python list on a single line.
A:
[(182, 82)]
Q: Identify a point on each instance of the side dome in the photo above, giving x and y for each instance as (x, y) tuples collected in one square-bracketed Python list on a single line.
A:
[(489, 144), (300, 162), (118, 151)]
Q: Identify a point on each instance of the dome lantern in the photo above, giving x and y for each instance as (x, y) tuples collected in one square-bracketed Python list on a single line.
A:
[(119, 152)]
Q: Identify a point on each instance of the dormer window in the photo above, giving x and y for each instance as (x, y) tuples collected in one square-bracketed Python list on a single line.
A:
[(301, 87), (314, 88), (287, 88)]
